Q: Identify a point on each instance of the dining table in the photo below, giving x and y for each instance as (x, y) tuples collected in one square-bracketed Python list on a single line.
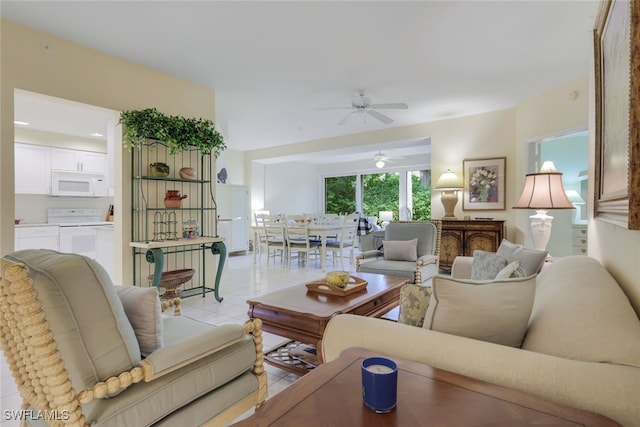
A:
[(322, 231)]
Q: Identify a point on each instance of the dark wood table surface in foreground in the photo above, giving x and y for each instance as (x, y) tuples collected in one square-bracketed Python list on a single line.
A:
[(302, 315), (331, 396)]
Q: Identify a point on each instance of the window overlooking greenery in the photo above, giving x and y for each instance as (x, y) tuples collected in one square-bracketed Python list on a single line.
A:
[(380, 192), (340, 194), (421, 194)]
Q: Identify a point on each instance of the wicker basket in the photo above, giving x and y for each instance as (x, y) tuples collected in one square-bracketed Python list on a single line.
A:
[(170, 280)]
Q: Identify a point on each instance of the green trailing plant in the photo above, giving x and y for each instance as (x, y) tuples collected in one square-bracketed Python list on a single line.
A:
[(177, 132)]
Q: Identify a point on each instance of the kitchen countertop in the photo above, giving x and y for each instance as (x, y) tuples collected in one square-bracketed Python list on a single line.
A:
[(22, 225)]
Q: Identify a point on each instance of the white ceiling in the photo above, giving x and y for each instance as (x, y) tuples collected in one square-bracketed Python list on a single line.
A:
[(272, 64)]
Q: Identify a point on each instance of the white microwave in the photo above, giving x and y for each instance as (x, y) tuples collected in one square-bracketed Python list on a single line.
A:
[(78, 184)]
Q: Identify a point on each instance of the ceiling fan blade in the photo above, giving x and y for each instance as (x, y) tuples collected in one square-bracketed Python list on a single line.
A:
[(346, 119), (391, 106), (376, 115), (332, 108)]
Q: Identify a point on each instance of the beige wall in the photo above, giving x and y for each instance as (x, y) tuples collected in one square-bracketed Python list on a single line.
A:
[(79, 74)]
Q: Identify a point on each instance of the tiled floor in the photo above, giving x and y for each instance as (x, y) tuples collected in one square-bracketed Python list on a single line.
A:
[(242, 279)]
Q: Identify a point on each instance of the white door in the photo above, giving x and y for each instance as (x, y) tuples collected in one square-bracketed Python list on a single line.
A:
[(32, 169), (234, 210)]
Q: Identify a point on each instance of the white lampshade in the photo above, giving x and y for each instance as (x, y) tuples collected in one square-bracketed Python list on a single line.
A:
[(385, 215), (448, 181), (379, 164), (543, 190)]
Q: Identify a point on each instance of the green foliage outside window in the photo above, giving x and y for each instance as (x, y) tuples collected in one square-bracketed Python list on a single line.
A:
[(380, 193), (340, 196)]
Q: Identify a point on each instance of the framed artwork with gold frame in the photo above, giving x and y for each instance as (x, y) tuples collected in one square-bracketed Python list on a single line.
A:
[(617, 124)]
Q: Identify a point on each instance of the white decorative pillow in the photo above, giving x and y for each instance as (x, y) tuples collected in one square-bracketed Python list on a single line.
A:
[(486, 265), (514, 269), (401, 250), (531, 260), (492, 311), (143, 309)]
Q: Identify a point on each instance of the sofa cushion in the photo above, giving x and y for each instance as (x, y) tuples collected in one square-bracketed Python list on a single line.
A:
[(145, 403), (494, 311), (514, 269), (401, 250), (580, 312), (142, 307), (531, 260), (426, 232), (486, 265), (85, 314), (414, 300)]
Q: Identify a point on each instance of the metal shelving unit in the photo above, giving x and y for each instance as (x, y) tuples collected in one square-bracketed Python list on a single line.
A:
[(157, 239)]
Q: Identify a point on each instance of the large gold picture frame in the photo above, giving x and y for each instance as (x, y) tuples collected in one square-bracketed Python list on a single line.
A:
[(617, 127)]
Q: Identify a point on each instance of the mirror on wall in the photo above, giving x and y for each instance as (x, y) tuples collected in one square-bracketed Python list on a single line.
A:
[(569, 153)]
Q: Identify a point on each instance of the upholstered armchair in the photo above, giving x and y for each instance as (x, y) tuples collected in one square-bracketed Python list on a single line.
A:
[(85, 352), (409, 249)]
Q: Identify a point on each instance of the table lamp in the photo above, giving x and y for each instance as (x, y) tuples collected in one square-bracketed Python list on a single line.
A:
[(385, 217), (449, 184), (543, 191)]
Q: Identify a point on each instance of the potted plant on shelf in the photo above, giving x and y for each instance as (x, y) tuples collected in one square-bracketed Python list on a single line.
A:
[(177, 132)]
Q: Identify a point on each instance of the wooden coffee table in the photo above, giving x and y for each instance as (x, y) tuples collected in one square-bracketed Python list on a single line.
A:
[(331, 395), (302, 316)]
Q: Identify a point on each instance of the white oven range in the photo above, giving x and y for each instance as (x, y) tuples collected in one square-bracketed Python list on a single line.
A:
[(78, 229)]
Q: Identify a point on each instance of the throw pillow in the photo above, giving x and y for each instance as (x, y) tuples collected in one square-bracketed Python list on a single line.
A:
[(414, 300), (143, 309), (531, 260), (401, 250), (493, 311), (514, 269), (486, 265)]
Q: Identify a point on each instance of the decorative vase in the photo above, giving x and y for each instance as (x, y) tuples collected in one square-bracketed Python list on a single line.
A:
[(173, 199), (159, 169), (484, 194), (187, 173)]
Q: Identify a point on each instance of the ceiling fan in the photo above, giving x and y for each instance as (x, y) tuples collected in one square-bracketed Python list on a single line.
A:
[(362, 105), (380, 159)]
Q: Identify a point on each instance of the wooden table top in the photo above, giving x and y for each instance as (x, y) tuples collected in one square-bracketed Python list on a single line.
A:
[(331, 395), (297, 299)]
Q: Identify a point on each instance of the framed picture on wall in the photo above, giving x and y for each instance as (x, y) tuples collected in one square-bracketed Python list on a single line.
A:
[(617, 86), (484, 184)]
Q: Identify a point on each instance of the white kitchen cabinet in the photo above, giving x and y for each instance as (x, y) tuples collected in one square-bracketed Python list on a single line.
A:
[(105, 250), (234, 213), (78, 161), (37, 237), (32, 169)]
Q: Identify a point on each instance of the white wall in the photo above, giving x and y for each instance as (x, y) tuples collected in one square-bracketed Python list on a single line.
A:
[(291, 188), (233, 162)]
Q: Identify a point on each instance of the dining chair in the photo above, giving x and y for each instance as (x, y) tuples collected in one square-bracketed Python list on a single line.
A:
[(275, 235), (346, 239), (298, 239), (260, 239)]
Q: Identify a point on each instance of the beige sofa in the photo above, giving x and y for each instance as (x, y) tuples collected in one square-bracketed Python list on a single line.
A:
[(581, 348)]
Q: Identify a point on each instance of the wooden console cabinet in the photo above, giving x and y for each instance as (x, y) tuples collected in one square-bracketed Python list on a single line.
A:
[(462, 237)]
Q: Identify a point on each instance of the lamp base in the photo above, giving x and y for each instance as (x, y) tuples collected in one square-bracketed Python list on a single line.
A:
[(449, 200), (541, 229)]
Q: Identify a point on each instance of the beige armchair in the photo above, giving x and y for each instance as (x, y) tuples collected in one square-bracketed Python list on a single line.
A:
[(398, 258), (74, 342)]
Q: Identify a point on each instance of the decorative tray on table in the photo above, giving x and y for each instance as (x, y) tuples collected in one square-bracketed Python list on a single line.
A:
[(322, 286)]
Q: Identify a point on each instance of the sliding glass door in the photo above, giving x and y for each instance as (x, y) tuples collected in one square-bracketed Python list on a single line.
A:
[(399, 195)]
